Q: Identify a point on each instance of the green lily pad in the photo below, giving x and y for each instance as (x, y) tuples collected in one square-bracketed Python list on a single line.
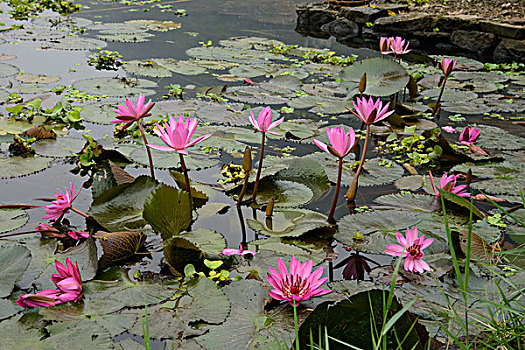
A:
[(465, 107), (18, 335), (120, 208), (168, 211), (126, 38), (119, 28), (158, 26), (215, 65), (284, 193), (229, 54), (290, 223), (252, 71), (78, 43), (116, 87), (254, 94), (278, 247), (209, 242), (492, 137), (307, 171), (99, 113), (7, 309), (207, 111), (450, 95), (7, 70), (14, 260), (36, 79), (411, 201), (383, 76), (20, 166), (167, 160), (250, 42), (11, 219), (14, 126), (72, 334), (43, 253), (61, 147), (148, 68), (181, 67), (463, 63)]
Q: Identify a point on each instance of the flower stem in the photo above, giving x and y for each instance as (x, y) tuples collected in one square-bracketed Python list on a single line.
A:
[(243, 190), (185, 172), (147, 149), (23, 233), (295, 326), (80, 213), (352, 191), (336, 194), (434, 111), (259, 168)]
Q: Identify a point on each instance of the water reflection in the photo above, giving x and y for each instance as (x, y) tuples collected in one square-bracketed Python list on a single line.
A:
[(355, 266)]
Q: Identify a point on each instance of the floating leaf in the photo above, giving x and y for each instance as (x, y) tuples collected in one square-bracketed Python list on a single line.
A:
[(411, 201), (492, 137), (7, 70), (167, 160), (126, 38), (148, 68), (42, 252), (14, 260), (77, 43), (61, 147), (116, 87), (7, 309), (20, 166), (168, 211), (383, 76), (11, 219), (159, 26), (181, 67), (284, 193), (290, 223), (100, 113), (118, 246), (18, 335)]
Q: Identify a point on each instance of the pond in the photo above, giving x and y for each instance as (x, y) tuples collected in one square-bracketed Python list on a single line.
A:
[(145, 263)]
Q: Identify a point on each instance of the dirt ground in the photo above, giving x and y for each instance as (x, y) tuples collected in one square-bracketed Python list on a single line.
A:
[(509, 11)]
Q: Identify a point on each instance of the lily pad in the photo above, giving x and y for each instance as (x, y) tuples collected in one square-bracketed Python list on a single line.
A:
[(383, 76), (410, 201), (209, 242), (148, 68), (14, 260), (78, 43), (116, 87), (99, 113), (7, 70), (20, 166), (492, 137), (450, 95), (126, 38), (254, 94), (229, 54), (284, 248), (36, 79), (207, 111), (167, 160), (7, 309), (158, 26), (284, 193), (72, 334), (43, 253), (181, 67), (290, 223), (61, 147), (11, 219)]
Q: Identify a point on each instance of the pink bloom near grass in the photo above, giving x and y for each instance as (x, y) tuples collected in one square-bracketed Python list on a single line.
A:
[(299, 284), (384, 45), (264, 121), (448, 183), (370, 111), (448, 65), (63, 202), (449, 129), (341, 143), (241, 251), (411, 248), (398, 47), (469, 135), (177, 135), (131, 113), (68, 283)]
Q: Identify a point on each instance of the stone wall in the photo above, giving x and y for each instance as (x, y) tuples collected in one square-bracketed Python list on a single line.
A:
[(447, 34)]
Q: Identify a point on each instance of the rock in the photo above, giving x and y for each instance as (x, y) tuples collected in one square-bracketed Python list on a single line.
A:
[(362, 15), (451, 23), (310, 18), (509, 50), (341, 28), (431, 37), (404, 24), (472, 40), (504, 29)]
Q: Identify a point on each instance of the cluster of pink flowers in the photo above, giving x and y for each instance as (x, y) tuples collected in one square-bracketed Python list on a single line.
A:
[(395, 45), (241, 251), (49, 231), (68, 283)]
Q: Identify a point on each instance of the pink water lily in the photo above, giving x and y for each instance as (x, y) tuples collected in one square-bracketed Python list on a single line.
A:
[(68, 283), (469, 135), (177, 135), (341, 143), (131, 113), (264, 121), (370, 111), (384, 45), (398, 47), (449, 129), (411, 248), (448, 65), (448, 183), (299, 284), (56, 210), (77, 235), (241, 251)]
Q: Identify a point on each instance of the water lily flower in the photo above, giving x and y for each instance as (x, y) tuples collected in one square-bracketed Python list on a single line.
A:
[(299, 284), (398, 47), (56, 210), (448, 183), (68, 283), (448, 65), (131, 113), (241, 251), (411, 248), (264, 121), (49, 231), (449, 129), (341, 145), (370, 111), (77, 235), (384, 45), (177, 135), (469, 135), (264, 125)]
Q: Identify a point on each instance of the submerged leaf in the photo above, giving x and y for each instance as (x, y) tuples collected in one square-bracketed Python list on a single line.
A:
[(118, 246)]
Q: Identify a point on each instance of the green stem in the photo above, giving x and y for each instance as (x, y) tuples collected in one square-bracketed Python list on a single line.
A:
[(295, 326), (352, 191), (336, 194), (434, 111), (185, 172), (259, 168), (147, 149)]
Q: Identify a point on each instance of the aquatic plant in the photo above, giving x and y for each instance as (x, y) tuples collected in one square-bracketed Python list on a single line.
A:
[(469, 135), (447, 66), (369, 112), (68, 283), (133, 113), (448, 183), (341, 144), (241, 251), (49, 231), (63, 203), (263, 124), (177, 135), (395, 45), (411, 248)]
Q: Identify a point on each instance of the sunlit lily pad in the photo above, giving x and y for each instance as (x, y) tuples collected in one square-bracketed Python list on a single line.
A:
[(252, 71), (210, 243), (7, 70), (36, 79), (214, 64), (167, 160), (463, 63), (411, 201), (78, 43), (99, 113), (116, 87), (206, 111), (43, 253), (158, 26), (61, 147), (14, 259), (254, 94), (71, 334), (284, 193), (119, 28), (126, 38), (229, 54), (290, 223), (250, 42), (148, 68), (298, 129), (20, 166), (181, 67), (450, 95), (269, 249), (383, 76), (11, 219), (492, 137), (465, 107)]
